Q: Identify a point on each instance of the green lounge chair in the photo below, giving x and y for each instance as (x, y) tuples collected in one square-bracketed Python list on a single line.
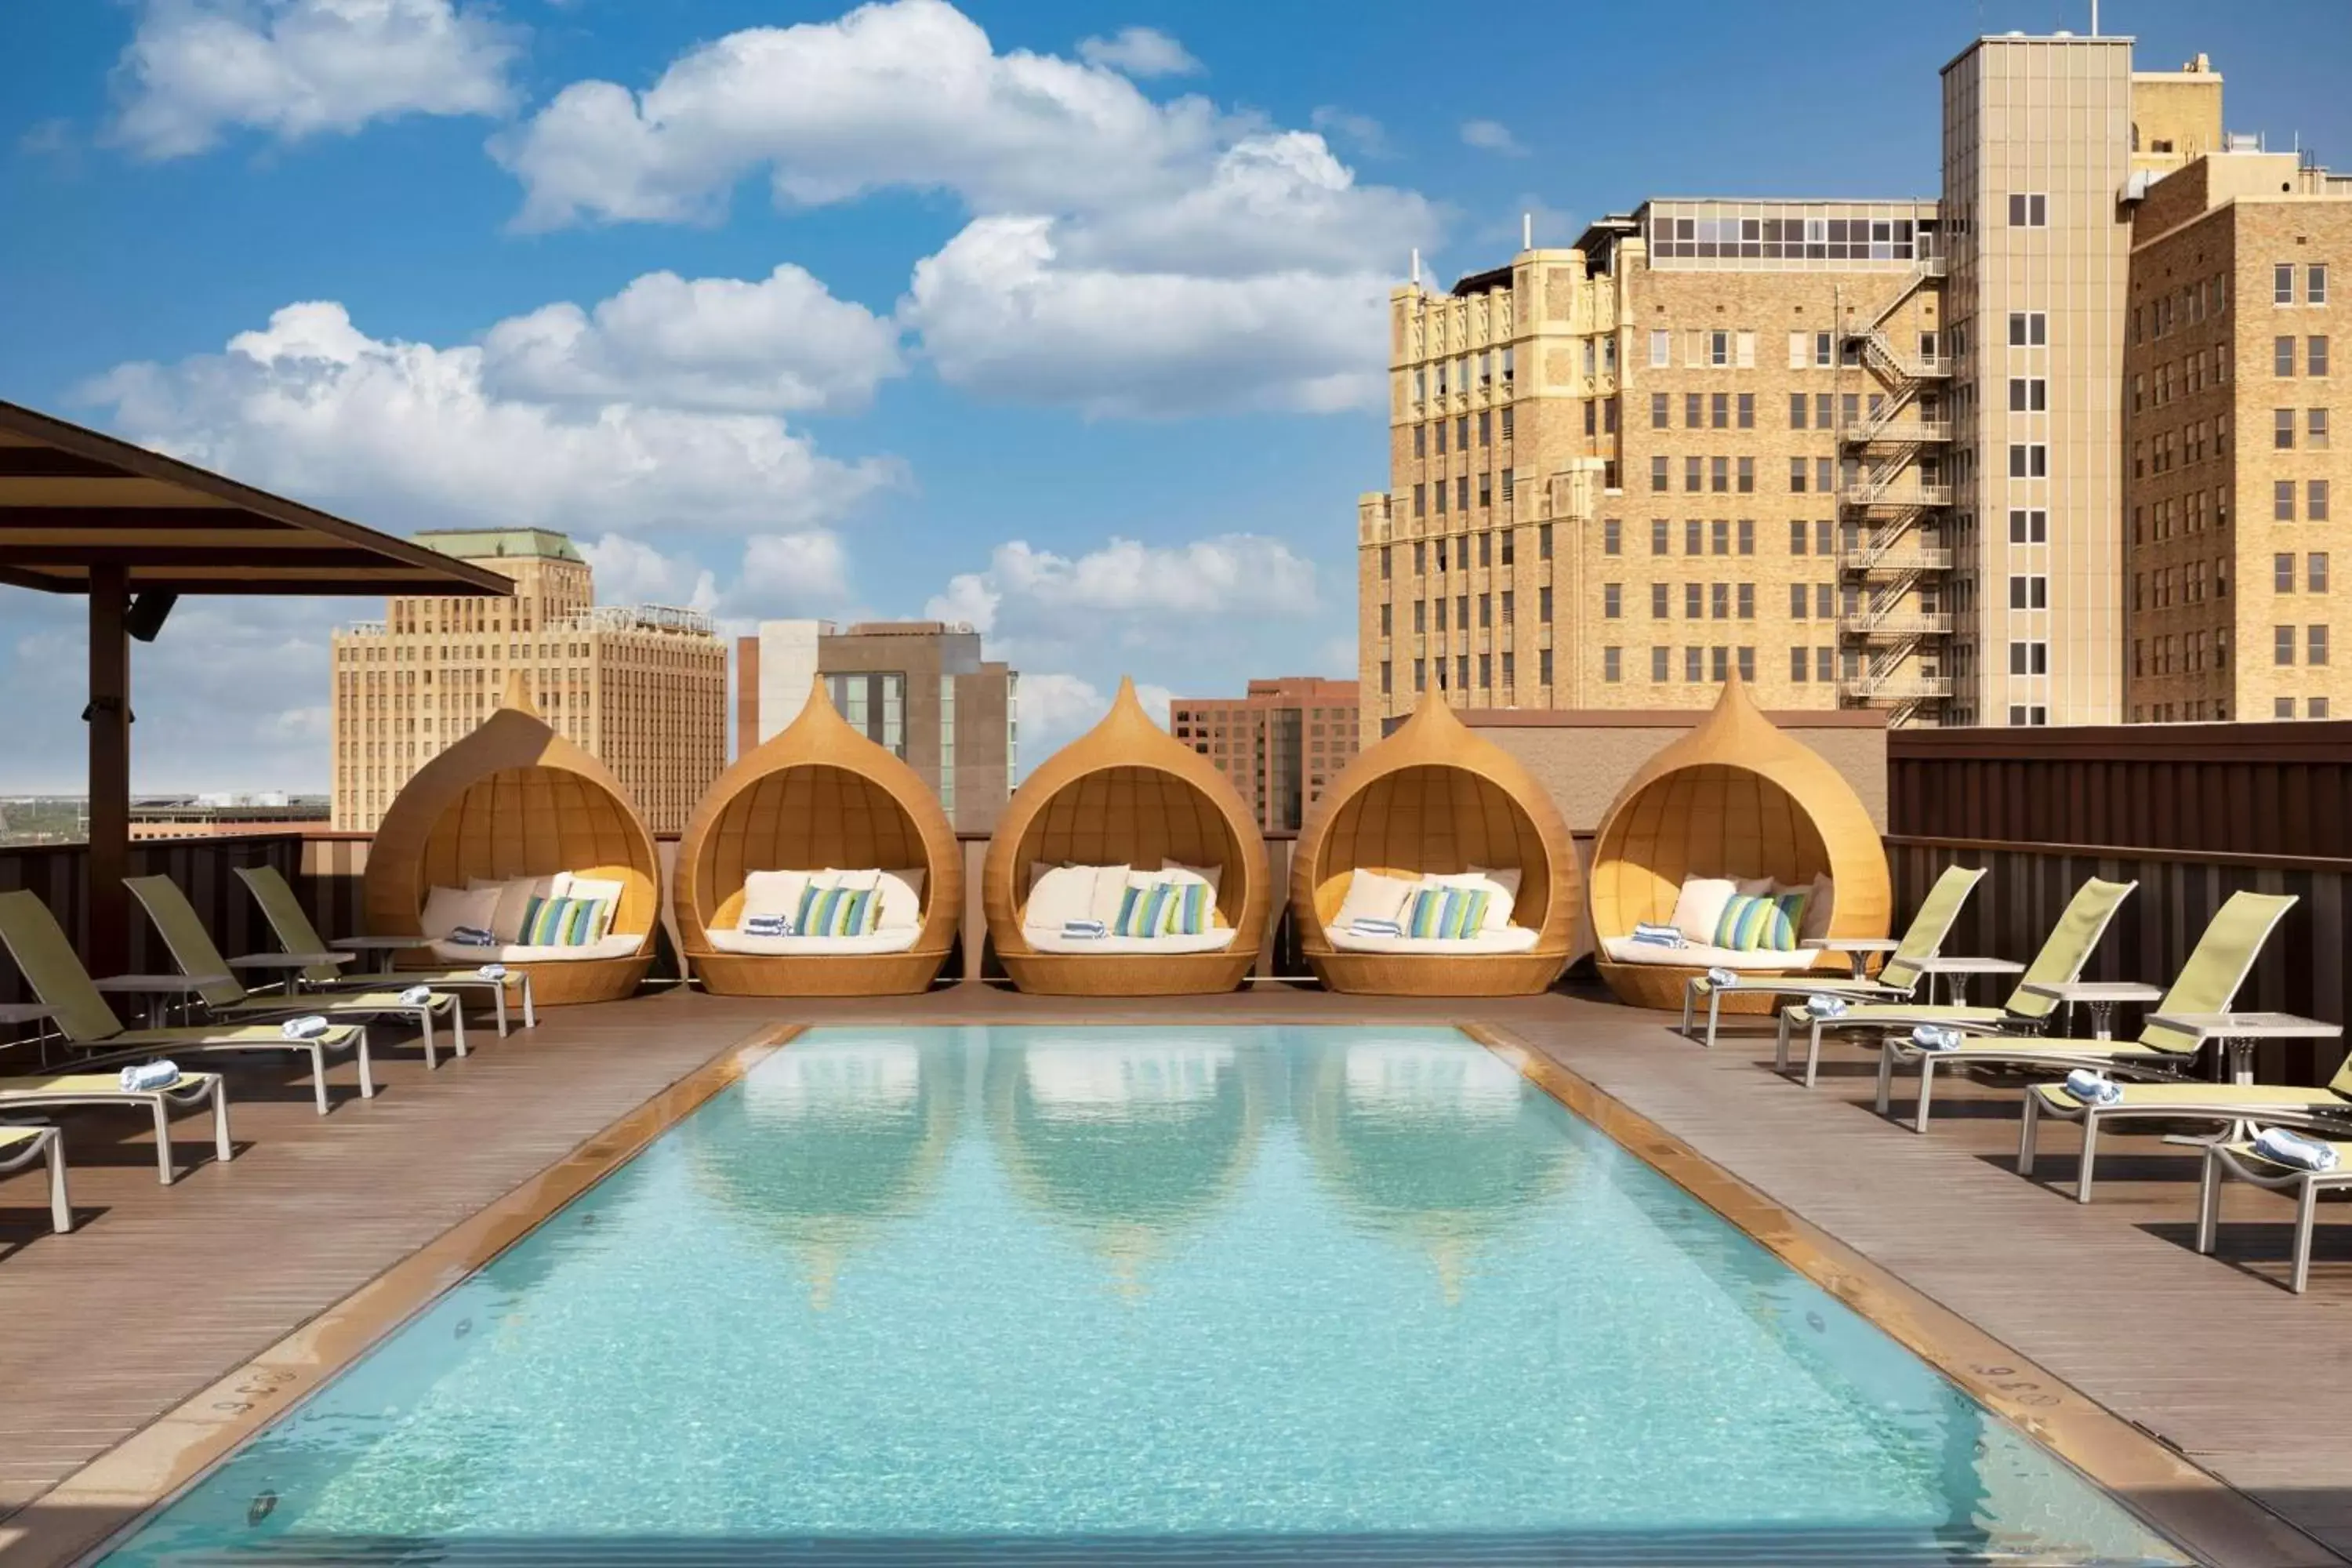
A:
[(47, 959), (1898, 980), (2063, 953), (20, 1146), (225, 996), (2215, 970), (301, 940), (2242, 1159)]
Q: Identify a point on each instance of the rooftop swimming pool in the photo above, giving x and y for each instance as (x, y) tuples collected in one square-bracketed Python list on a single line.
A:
[(1148, 1295)]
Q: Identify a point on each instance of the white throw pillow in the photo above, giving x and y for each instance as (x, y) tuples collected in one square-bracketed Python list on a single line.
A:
[(446, 909), (515, 895), (863, 880), (1109, 889), (1372, 897), (1698, 911), (1816, 924), (902, 899), (1178, 872), (1507, 880), (1059, 894), (773, 893), (1756, 887)]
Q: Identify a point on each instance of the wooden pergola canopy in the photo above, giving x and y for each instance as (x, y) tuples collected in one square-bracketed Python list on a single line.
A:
[(73, 500)]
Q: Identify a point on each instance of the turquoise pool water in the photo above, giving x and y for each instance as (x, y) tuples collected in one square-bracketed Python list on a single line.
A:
[(1139, 1295)]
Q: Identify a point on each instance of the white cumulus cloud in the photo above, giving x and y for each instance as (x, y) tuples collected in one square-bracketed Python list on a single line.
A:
[(632, 572), (1138, 52), (1126, 593), (405, 434), (780, 343), (294, 68), (1056, 707)]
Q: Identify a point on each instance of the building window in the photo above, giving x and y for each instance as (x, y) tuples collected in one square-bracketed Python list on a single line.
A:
[(2283, 356), (2029, 659), (1721, 420), (1720, 476), (1543, 666), (2315, 645), (2314, 572), (2029, 591), (2029, 526), (1384, 562), (1543, 605), (1796, 411), (1693, 474), (1613, 600), (1720, 593), (1694, 601), (1507, 600), (2315, 284), (1722, 662), (1747, 411), (1510, 671), (1421, 675), (1612, 665), (2029, 211), (1420, 440), (2027, 460), (1612, 540), (1385, 686), (1718, 349), (2283, 283), (1747, 475), (2282, 645), (2314, 501), (1543, 541), (1662, 348), (1797, 536), (1660, 411), (1747, 600), (1661, 536), (2283, 573), (2314, 356), (1691, 537), (1798, 598), (2028, 395), (2028, 329), (1658, 663), (1748, 536), (2283, 428), (1800, 663), (1658, 473), (1796, 476), (2315, 708), (2283, 500), (2315, 429)]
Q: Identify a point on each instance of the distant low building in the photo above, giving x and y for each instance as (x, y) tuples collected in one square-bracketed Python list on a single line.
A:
[(1280, 745), (218, 816), (919, 688), (643, 687)]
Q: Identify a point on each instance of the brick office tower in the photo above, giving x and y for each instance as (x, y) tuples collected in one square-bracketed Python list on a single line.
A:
[(1280, 745), (643, 687), (1867, 453)]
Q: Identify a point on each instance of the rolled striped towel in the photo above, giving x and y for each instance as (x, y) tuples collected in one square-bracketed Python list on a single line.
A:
[(2092, 1088), (309, 1026), (1662, 935), (767, 925), (143, 1076), (1824, 1005), (491, 972), (1369, 926), (1089, 930), (1719, 976), (417, 996), (1934, 1038), (2283, 1146), (472, 936)]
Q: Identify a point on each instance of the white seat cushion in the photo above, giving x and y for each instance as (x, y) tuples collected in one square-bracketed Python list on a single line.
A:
[(1054, 942), (895, 939), (622, 945), (1485, 945), (1625, 950)]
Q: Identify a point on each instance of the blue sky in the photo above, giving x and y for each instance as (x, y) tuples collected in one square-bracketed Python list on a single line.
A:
[(1063, 319)]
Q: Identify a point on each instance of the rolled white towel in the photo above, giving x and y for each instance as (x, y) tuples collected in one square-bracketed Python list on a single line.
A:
[(143, 1076), (1651, 931), (1824, 1005), (1935, 1037), (1364, 925), (2283, 1146), (1086, 929), (491, 972), (417, 996), (308, 1028), (1719, 976), (2092, 1088)]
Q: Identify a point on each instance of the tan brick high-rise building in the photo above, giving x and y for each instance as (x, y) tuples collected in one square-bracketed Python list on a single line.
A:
[(643, 687), (1279, 746), (2234, 397), (1867, 453)]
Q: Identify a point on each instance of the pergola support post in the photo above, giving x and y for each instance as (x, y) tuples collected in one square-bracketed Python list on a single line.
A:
[(109, 716)]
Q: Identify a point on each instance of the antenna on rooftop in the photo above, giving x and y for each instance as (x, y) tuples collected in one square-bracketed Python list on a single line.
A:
[(2095, 18), (1526, 231), (1416, 264)]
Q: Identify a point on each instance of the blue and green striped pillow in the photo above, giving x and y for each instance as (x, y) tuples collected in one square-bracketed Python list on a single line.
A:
[(561, 922), (838, 912), (1762, 923), (1446, 914), (1143, 911), (1192, 908)]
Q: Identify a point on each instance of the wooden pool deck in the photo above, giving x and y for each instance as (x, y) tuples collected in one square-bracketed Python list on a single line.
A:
[(165, 1292)]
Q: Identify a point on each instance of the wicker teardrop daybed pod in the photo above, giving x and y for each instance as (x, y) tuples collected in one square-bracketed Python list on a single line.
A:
[(516, 799), (1127, 792), (1735, 797), (817, 794), (1433, 798)]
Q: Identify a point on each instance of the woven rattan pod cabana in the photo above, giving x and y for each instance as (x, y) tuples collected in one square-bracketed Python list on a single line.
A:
[(817, 794), (1125, 793), (516, 799), (1735, 797), (1433, 798)]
